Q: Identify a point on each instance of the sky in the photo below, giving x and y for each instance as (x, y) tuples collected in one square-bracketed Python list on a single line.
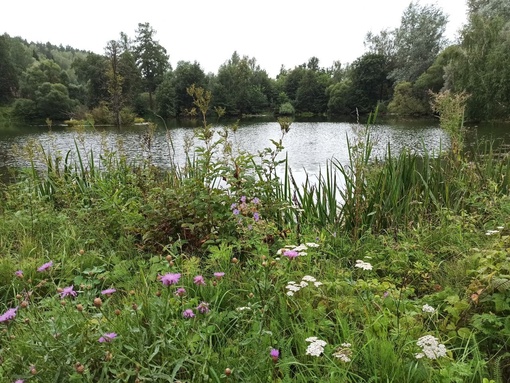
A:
[(274, 32)]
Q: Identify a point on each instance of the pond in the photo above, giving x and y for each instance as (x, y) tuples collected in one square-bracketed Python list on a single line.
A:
[(309, 144)]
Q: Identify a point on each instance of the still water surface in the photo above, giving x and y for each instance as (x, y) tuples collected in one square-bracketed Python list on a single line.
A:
[(309, 144)]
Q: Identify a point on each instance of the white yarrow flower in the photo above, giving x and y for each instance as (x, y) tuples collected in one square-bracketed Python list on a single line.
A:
[(311, 244), (428, 309), (309, 278), (430, 347), (316, 346), (363, 265)]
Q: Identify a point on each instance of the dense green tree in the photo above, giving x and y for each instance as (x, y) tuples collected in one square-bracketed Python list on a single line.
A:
[(339, 98), (41, 72), (93, 72), (418, 40), (311, 93), (407, 101), (21, 55), (482, 69), (8, 76), (166, 97), (114, 80), (132, 80), (53, 101), (241, 86), (151, 59), (185, 75), (369, 82), (412, 47)]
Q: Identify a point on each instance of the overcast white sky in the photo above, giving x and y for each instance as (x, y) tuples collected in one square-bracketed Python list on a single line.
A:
[(275, 32)]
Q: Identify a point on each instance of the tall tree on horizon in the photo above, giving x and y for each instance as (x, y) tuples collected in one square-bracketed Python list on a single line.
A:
[(151, 59)]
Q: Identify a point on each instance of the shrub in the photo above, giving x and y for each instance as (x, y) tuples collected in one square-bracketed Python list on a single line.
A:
[(286, 109)]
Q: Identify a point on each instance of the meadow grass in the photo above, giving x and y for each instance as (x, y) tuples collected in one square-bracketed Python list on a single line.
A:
[(122, 272)]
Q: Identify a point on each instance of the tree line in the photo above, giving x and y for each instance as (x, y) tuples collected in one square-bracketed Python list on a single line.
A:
[(398, 72)]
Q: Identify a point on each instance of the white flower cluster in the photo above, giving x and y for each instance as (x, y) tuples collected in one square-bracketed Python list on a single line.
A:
[(492, 232), (428, 309), (344, 352), (430, 347), (316, 346), (301, 249), (363, 265), (294, 287)]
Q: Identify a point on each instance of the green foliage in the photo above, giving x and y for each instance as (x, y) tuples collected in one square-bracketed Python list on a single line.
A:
[(151, 59), (286, 109), (406, 102)]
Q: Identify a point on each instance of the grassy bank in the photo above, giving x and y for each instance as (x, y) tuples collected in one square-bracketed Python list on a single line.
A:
[(219, 271)]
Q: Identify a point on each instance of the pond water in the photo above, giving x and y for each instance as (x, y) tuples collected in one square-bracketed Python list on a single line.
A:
[(309, 144)]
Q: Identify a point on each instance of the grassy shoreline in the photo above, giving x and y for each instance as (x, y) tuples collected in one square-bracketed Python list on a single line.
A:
[(125, 273)]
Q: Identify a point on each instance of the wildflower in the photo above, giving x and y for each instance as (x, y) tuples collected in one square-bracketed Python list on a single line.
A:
[(256, 216), (170, 279), (243, 199), (317, 284), (303, 284), (180, 292), (46, 266), (19, 381), (300, 248), (428, 309), (491, 232), (291, 254), (108, 291), (235, 211), (255, 201), (308, 278), (108, 337), (203, 308), (344, 352), (311, 244), (19, 273), (68, 291), (98, 302), (219, 274), (199, 280), (245, 308), (188, 313), (274, 354), (8, 315), (431, 348), (233, 206), (316, 346), (363, 265)]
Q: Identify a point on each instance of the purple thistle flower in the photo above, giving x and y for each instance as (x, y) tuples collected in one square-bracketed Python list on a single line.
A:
[(68, 291), (19, 273), (243, 199), (235, 212), (109, 291), (256, 216), (255, 201), (8, 315), (291, 254), (46, 266), (188, 313), (199, 280), (275, 354), (180, 292), (108, 337), (170, 279), (203, 307), (219, 274)]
